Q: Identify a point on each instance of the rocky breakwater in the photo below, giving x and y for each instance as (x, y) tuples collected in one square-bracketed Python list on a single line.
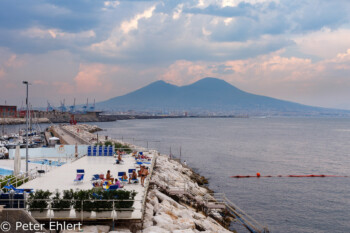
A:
[(83, 131), (18, 121), (175, 202)]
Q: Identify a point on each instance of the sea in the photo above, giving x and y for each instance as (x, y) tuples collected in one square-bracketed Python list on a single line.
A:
[(219, 148)]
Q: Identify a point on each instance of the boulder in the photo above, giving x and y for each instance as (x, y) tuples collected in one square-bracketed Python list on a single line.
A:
[(147, 223), (90, 229), (165, 221), (184, 231), (185, 223), (102, 228), (163, 197), (155, 229)]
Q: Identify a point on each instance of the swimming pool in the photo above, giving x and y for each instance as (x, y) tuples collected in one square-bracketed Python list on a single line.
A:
[(47, 162), (5, 172)]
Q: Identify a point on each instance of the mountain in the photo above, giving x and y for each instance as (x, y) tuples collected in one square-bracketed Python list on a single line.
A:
[(207, 95)]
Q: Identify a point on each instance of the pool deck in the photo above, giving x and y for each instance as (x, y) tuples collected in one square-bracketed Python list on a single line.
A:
[(62, 178)]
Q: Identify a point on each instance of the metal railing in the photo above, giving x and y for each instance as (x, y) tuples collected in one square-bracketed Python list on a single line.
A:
[(20, 179), (143, 208), (218, 201), (91, 212), (33, 173)]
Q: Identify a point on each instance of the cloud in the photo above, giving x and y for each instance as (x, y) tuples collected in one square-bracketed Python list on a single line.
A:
[(152, 32), (253, 19), (52, 33), (127, 26), (89, 78), (183, 72), (2, 72), (10, 62), (63, 88), (323, 83), (78, 15), (289, 49), (325, 43), (40, 82)]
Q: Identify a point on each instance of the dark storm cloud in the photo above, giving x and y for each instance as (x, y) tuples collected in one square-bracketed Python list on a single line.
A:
[(251, 21), (72, 16)]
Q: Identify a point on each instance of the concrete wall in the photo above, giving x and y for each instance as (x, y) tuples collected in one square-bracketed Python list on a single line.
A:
[(10, 217), (59, 151)]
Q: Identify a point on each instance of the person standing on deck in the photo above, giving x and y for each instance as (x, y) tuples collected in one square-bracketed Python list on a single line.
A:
[(144, 173)]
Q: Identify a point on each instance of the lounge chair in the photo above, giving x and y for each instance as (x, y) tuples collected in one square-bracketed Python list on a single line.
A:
[(119, 162), (9, 187), (89, 151), (130, 175), (95, 177), (96, 196), (100, 151), (120, 174), (80, 175), (113, 187)]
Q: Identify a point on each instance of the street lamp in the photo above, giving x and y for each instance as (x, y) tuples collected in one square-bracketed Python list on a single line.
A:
[(27, 113)]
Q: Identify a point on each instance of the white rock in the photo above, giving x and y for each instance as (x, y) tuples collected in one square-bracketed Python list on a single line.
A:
[(198, 216), (153, 200), (68, 231), (163, 197), (147, 223), (155, 229), (211, 225), (162, 220), (185, 223), (166, 222), (90, 229), (184, 231), (102, 228), (120, 231)]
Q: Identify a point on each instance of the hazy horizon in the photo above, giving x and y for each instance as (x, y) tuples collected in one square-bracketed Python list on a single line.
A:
[(297, 51)]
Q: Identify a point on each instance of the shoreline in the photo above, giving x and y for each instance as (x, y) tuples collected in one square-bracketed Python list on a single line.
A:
[(183, 199), (165, 209), (108, 118), (177, 198)]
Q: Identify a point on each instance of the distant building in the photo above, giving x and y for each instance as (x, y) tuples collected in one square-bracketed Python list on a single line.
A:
[(8, 111)]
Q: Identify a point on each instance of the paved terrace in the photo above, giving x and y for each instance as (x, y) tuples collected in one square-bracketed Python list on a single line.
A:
[(62, 178)]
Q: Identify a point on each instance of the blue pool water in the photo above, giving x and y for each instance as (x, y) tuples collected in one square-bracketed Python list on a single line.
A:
[(5, 172), (47, 162)]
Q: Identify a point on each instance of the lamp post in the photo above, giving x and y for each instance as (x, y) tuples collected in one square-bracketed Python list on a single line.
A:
[(27, 113)]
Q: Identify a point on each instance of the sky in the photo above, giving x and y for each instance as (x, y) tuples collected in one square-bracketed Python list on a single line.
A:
[(292, 50)]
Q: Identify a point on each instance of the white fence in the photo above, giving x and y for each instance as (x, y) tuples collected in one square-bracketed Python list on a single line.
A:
[(57, 152)]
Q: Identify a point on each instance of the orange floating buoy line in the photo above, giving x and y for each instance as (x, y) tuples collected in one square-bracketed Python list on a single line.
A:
[(258, 175)]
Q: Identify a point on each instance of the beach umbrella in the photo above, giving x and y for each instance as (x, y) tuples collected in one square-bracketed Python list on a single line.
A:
[(17, 162), (76, 150)]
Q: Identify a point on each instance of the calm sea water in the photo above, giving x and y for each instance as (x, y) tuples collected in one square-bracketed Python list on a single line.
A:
[(220, 148)]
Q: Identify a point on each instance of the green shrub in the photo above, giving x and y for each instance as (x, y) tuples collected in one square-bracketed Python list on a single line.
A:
[(64, 203), (124, 195), (122, 147), (12, 179), (38, 200), (108, 143), (4, 180), (100, 195), (94, 200), (81, 195)]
